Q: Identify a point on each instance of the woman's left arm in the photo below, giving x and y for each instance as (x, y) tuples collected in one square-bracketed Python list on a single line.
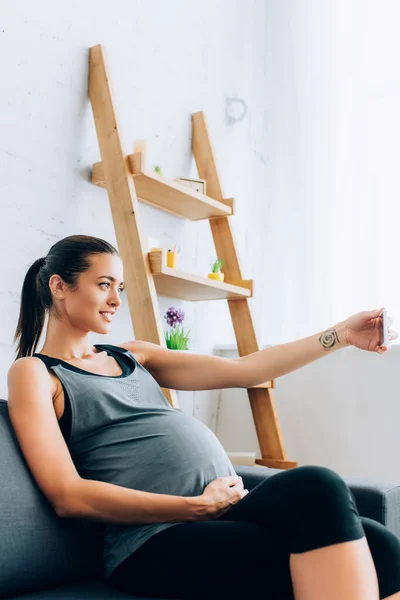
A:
[(180, 370)]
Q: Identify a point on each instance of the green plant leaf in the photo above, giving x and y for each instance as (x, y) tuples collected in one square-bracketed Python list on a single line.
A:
[(177, 339), (216, 265)]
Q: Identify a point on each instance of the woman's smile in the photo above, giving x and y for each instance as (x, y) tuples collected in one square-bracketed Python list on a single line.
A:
[(107, 316)]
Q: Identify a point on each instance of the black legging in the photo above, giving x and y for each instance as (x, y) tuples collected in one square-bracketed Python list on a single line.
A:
[(245, 552)]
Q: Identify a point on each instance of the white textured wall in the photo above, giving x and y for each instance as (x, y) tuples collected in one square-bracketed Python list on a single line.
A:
[(326, 230), (167, 61)]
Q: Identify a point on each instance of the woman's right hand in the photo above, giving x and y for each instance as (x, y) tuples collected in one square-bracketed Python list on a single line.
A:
[(218, 497)]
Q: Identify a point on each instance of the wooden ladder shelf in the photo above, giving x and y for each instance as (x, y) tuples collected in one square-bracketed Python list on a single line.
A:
[(128, 182)]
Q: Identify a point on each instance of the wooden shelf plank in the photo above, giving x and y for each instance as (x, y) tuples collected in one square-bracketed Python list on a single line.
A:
[(168, 195), (265, 385), (274, 463), (177, 284)]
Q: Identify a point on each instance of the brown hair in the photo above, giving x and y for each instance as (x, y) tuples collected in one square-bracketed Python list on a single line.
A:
[(68, 258)]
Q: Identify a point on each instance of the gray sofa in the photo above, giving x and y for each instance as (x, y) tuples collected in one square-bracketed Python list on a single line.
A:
[(43, 557)]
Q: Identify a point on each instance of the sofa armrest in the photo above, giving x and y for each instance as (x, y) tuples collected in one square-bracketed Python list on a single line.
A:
[(378, 500)]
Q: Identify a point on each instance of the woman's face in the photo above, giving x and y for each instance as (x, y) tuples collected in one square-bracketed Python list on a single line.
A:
[(96, 293)]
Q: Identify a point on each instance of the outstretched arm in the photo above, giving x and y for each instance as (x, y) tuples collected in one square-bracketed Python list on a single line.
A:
[(179, 370)]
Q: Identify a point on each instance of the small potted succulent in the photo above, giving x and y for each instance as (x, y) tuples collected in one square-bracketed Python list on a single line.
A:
[(216, 270), (176, 337)]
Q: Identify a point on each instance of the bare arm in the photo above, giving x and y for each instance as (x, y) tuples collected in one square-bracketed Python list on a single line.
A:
[(115, 504), (181, 371), (274, 362), (47, 455), (111, 503)]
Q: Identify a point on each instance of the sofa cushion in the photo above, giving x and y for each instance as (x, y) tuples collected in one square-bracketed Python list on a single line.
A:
[(38, 549), (92, 590)]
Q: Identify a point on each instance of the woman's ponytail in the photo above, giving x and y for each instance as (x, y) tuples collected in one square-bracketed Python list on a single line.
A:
[(32, 312)]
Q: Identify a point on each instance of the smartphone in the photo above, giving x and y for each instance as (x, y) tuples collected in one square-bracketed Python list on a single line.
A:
[(385, 328)]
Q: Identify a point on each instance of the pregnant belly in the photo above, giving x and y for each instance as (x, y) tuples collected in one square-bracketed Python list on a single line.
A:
[(168, 453)]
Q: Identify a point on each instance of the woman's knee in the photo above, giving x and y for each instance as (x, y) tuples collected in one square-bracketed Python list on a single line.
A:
[(325, 512), (320, 487), (311, 489)]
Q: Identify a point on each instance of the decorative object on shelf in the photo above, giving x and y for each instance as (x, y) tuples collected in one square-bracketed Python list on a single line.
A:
[(173, 283), (176, 337), (199, 185), (172, 257), (167, 194), (157, 169), (216, 270)]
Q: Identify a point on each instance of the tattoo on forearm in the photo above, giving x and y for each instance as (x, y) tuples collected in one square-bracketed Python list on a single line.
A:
[(329, 339)]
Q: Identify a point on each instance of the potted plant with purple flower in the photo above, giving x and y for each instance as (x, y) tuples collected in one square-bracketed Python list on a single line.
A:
[(176, 337)]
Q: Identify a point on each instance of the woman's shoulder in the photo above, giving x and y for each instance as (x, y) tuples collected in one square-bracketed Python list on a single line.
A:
[(137, 348), (31, 368)]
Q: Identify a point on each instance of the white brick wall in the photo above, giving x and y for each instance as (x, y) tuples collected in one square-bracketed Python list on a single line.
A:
[(166, 61)]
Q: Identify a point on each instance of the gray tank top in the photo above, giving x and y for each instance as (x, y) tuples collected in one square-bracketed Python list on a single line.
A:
[(125, 432)]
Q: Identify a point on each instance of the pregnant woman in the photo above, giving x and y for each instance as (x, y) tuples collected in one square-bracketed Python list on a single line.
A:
[(103, 443)]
